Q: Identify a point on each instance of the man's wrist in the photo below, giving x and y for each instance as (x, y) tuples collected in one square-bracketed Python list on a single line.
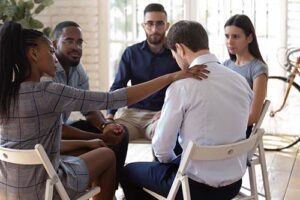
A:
[(103, 125)]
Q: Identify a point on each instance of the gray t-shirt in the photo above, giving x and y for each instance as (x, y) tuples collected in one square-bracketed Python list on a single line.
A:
[(250, 70)]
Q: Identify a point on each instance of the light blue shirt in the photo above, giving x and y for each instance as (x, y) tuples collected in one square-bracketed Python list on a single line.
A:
[(213, 111), (77, 78)]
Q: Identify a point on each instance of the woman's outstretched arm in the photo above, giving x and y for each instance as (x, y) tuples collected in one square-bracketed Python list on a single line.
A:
[(138, 92)]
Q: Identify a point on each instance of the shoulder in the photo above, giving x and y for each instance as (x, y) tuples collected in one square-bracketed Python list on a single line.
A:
[(40, 88), (80, 68), (135, 47), (259, 63), (228, 63), (132, 49), (259, 67)]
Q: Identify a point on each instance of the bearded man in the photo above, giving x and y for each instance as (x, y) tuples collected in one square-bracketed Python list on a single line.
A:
[(142, 62)]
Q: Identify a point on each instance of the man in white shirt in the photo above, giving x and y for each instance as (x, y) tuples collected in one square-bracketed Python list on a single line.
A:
[(212, 112)]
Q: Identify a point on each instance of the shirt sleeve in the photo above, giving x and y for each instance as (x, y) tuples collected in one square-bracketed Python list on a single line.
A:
[(61, 98), (122, 76), (258, 69), (83, 82), (169, 124)]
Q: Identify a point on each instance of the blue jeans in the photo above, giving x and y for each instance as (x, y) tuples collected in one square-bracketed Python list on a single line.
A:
[(159, 177)]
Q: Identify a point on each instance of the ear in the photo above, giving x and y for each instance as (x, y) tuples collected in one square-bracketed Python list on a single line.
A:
[(250, 38), (180, 50), (32, 54), (143, 25), (54, 42), (167, 25)]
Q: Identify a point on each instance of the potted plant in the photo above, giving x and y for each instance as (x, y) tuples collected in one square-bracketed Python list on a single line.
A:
[(23, 12)]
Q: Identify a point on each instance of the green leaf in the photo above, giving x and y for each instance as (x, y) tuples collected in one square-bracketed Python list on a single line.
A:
[(29, 5), (39, 9), (47, 2), (47, 31), (35, 24), (13, 2), (20, 13), (10, 11), (24, 23)]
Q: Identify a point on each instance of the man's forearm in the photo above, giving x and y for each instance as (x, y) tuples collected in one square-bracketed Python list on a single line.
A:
[(72, 145), (96, 118), (69, 132)]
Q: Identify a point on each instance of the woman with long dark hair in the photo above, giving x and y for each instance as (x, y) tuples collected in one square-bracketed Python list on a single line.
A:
[(30, 113), (246, 59)]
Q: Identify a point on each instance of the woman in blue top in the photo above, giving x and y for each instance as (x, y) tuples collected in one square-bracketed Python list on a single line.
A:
[(30, 113), (245, 59)]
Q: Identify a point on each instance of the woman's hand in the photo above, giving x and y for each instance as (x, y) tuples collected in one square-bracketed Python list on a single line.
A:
[(198, 72), (95, 143)]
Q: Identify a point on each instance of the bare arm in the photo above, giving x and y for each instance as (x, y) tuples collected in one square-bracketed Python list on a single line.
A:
[(138, 92), (259, 91), (75, 145), (96, 118), (69, 132)]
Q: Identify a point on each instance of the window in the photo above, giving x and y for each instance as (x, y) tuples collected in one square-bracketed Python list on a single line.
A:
[(276, 27), (126, 17)]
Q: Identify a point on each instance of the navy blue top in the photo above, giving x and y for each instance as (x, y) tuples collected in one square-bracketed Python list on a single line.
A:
[(139, 64)]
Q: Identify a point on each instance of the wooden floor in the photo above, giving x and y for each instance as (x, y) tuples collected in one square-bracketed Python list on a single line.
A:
[(283, 167)]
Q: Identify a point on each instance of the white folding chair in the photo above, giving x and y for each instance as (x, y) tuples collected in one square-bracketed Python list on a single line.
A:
[(198, 152), (38, 156), (258, 158)]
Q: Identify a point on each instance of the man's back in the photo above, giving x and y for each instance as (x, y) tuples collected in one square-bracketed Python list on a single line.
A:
[(212, 112), (218, 105)]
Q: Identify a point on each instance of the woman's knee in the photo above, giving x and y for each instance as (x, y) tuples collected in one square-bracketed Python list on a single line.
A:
[(107, 154)]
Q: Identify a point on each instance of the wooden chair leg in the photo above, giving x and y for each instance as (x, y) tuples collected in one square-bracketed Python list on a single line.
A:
[(264, 171), (252, 179), (185, 188), (49, 190)]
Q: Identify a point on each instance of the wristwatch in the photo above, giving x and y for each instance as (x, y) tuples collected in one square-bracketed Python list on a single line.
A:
[(103, 125)]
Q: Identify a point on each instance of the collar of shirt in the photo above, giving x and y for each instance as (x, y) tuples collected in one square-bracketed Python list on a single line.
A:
[(145, 46), (204, 59), (60, 69)]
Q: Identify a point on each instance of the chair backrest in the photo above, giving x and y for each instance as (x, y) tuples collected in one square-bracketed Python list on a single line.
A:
[(219, 152), (262, 116), (20, 157), (36, 156)]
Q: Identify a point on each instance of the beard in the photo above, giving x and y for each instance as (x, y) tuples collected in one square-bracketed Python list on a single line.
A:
[(155, 38), (68, 60)]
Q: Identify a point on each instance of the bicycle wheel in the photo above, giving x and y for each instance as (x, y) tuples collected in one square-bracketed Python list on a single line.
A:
[(285, 121)]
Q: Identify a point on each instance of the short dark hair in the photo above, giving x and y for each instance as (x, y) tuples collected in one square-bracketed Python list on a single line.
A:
[(155, 7), (243, 22), (190, 33), (59, 28)]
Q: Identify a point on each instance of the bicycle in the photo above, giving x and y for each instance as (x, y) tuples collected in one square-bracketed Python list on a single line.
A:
[(284, 94)]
